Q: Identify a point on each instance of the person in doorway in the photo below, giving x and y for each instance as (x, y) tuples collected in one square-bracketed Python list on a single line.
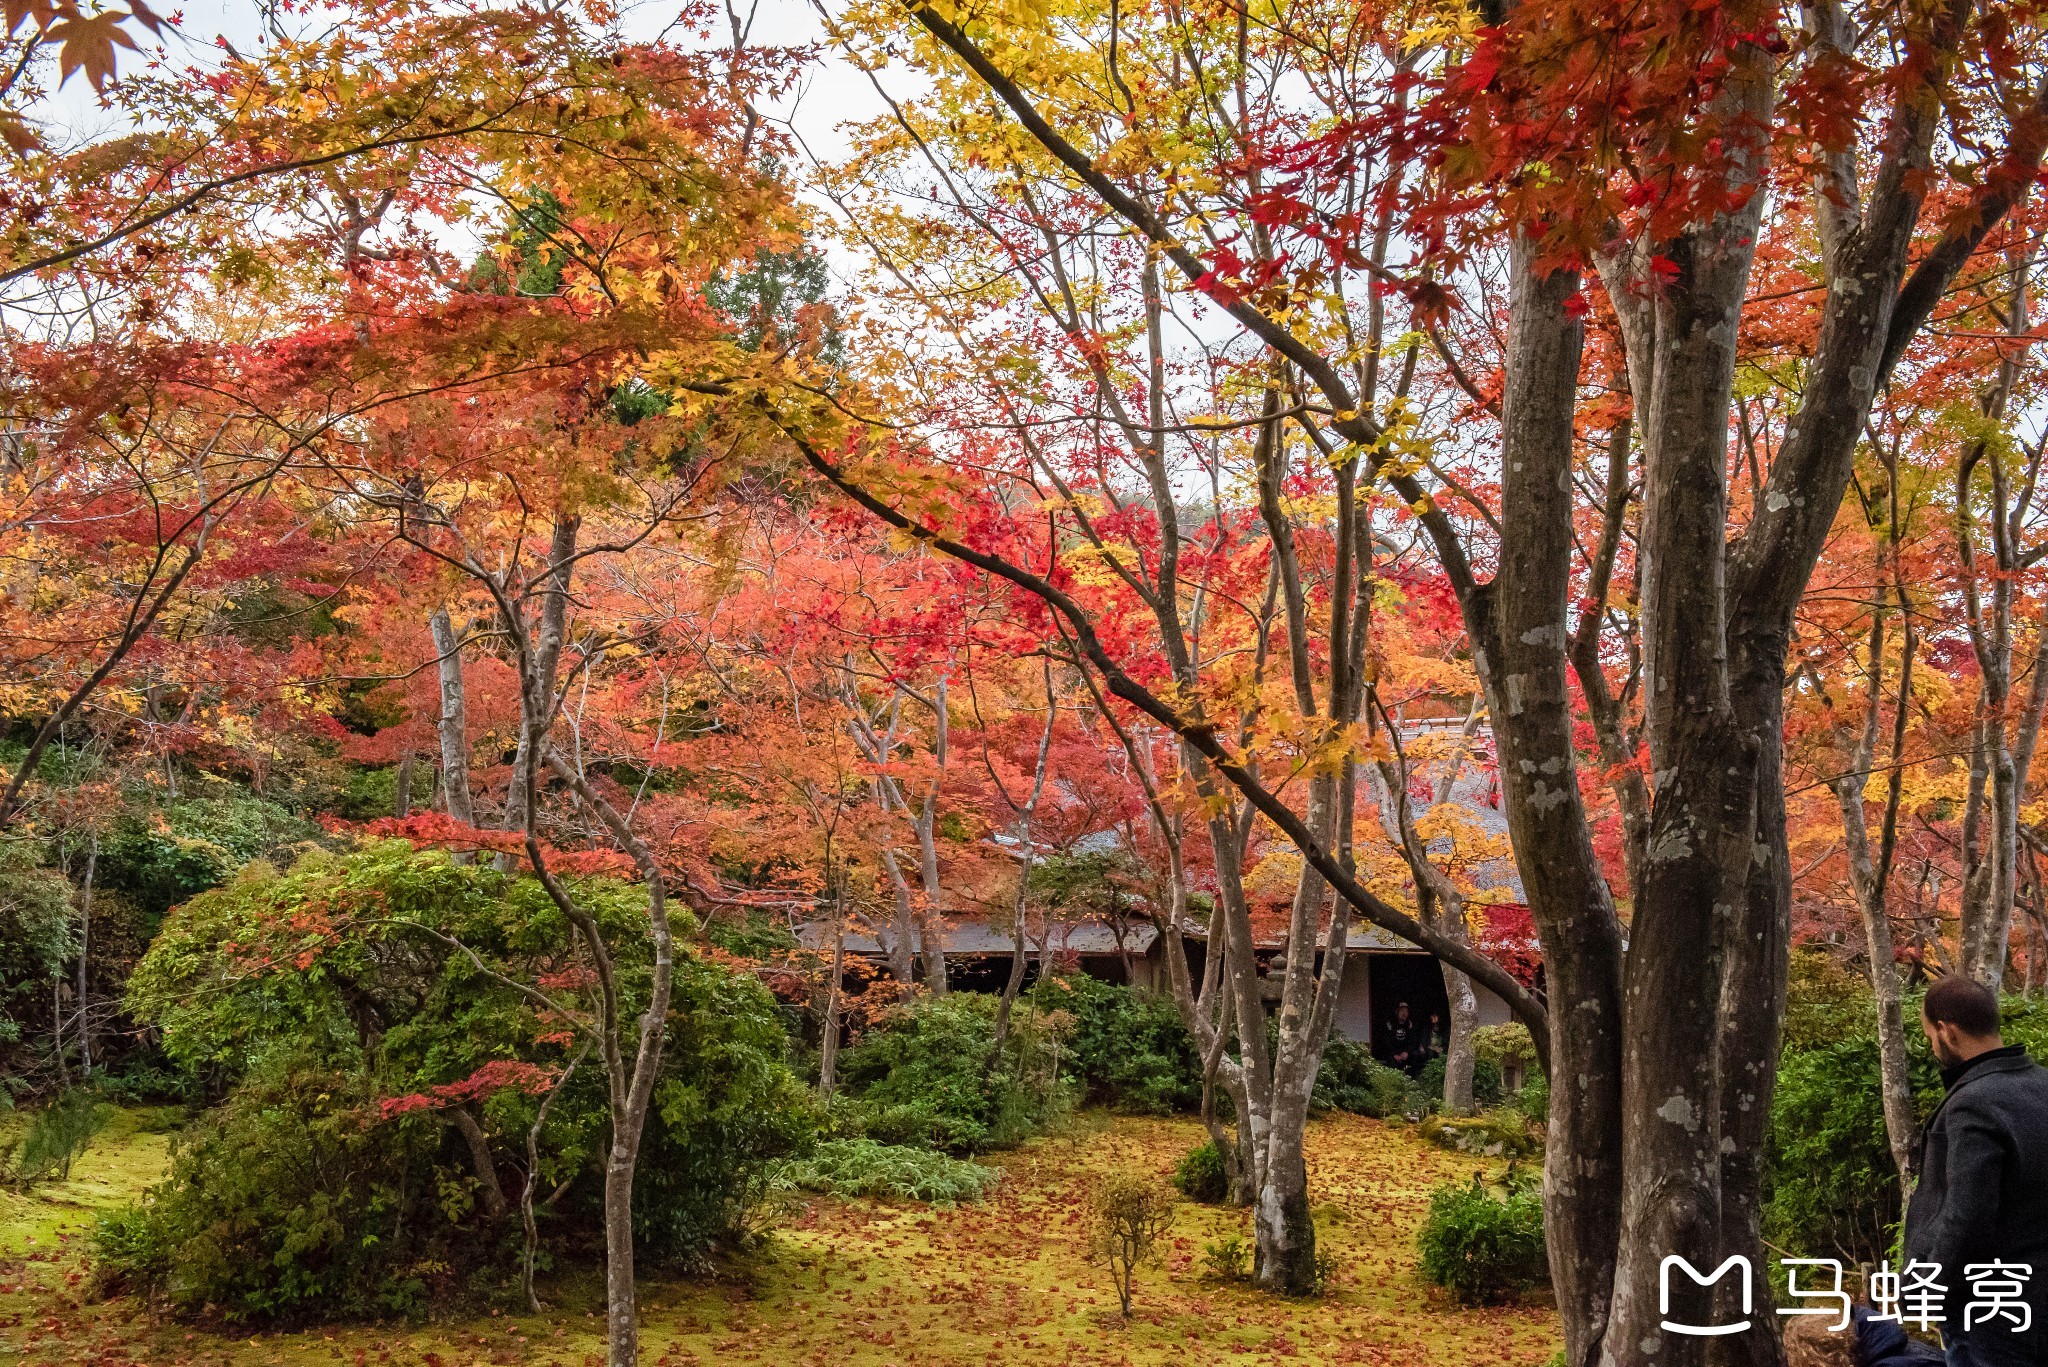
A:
[(1405, 1044), (1439, 1037), (1980, 1212)]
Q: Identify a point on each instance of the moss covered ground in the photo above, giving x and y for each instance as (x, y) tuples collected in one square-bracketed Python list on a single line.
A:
[(860, 1282)]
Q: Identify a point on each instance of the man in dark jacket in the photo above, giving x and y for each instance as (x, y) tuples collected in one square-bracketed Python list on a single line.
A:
[(1402, 1043), (1983, 1193)]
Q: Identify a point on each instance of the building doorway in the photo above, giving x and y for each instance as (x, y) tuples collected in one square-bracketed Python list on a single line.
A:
[(1417, 980)]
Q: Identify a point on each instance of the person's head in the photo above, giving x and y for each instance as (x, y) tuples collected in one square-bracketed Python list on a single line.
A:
[(1400, 1011), (1810, 1343), (1960, 1016)]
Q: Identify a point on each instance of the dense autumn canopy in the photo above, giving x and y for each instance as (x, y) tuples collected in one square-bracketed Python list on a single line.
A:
[(1557, 483)]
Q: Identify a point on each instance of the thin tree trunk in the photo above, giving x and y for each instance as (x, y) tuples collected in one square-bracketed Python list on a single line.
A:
[(931, 918), (1459, 1059), (401, 804), (479, 1144), (828, 1043), (902, 945), (542, 668), (453, 725), (631, 1088), (92, 860), (1018, 957), (57, 1029), (526, 1214), (1870, 871)]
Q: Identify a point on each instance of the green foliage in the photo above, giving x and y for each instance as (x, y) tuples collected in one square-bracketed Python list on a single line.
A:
[(1228, 1259), (862, 1167), (56, 1134), (339, 971), (1505, 1046), (160, 856), (727, 1109), (1483, 1245), (36, 940), (1502, 1130), (1322, 1275), (1129, 1050), (926, 1074), (291, 1201), (1203, 1175), (1825, 1002), (779, 302), (759, 936), (372, 792), (1830, 1187), (1351, 1079), (1533, 1100)]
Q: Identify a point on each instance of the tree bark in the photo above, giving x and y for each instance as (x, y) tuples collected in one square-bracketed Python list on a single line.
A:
[(92, 860), (480, 1162), (1018, 957), (1518, 630), (1870, 871), (453, 725), (828, 1042), (541, 668), (401, 801), (1459, 1059)]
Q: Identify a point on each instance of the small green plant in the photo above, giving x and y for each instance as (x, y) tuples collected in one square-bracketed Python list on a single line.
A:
[(1203, 1175), (1127, 1215), (1481, 1245), (1532, 1099), (1323, 1273), (862, 1167), (56, 1135), (1228, 1260)]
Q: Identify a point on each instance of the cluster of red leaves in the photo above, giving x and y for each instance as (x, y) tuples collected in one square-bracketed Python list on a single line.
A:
[(499, 1075)]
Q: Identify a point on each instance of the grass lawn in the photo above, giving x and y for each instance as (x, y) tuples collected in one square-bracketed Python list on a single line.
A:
[(861, 1282)]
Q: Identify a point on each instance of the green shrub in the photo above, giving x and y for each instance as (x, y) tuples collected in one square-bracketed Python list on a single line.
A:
[(322, 973), (1322, 1276), (1533, 1100), (1203, 1175), (160, 856), (36, 941), (1128, 1050), (56, 1135), (1831, 1189), (1127, 1217), (1830, 1186), (290, 1202), (1228, 1259), (1825, 1001), (1483, 1246), (862, 1167), (1506, 1046), (926, 1075), (1351, 1079)]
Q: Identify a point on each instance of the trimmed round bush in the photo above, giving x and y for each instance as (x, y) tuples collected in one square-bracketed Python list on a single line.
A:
[(1202, 1175), (1483, 1247)]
